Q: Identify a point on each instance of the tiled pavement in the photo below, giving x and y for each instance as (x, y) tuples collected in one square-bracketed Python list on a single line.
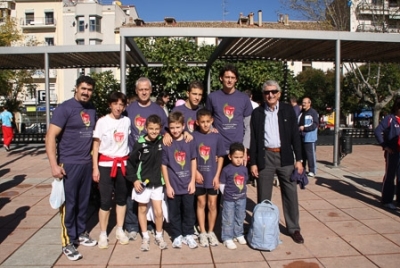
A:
[(342, 221)]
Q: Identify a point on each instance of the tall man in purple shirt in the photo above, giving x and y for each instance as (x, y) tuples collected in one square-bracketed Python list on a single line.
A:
[(72, 125), (138, 112), (231, 110), (274, 140)]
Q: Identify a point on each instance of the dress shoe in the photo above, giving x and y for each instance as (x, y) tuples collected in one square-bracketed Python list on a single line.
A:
[(297, 237)]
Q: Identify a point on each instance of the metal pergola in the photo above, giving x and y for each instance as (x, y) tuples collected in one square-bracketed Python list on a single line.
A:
[(236, 44)]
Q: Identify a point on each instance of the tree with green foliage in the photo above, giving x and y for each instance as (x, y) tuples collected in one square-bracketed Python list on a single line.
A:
[(14, 84), (105, 84), (374, 85), (175, 74), (319, 86)]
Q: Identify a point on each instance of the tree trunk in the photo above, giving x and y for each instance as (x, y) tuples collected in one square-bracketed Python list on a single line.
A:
[(376, 116)]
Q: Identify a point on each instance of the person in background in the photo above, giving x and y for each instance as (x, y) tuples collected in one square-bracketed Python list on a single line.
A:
[(110, 154), (179, 172), (233, 187), (6, 126), (70, 159), (387, 133), (144, 171), (308, 127), (296, 107), (163, 100), (275, 144), (138, 112), (192, 105), (210, 159), (250, 94)]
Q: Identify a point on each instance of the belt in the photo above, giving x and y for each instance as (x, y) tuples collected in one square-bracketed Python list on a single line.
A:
[(275, 150)]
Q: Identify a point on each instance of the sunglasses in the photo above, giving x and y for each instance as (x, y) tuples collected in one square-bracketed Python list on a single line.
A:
[(267, 92)]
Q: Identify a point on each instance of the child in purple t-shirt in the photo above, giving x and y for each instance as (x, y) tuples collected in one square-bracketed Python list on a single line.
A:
[(233, 187), (211, 153), (179, 170)]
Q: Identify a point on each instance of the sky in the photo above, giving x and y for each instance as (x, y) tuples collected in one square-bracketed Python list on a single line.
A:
[(205, 10)]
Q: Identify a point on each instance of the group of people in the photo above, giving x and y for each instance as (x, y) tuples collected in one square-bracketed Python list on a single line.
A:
[(141, 158)]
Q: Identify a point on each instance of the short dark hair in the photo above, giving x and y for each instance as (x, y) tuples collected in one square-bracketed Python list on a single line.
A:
[(236, 146), (203, 112), (195, 84), (85, 79), (248, 93), (176, 117), (229, 68), (115, 96), (155, 119)]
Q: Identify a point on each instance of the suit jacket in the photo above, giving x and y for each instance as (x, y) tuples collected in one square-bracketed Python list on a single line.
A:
[(288, 133)]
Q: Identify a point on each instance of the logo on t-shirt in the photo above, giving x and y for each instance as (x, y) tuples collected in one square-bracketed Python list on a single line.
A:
[(180, 158), (140, 122), (118, 137), (190, 124), (229, 111), (204, 152), (239, 181), (85, 119)]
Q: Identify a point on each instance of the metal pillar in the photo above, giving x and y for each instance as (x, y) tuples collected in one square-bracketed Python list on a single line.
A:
[(123, 63), (47, 88), (337, 105)]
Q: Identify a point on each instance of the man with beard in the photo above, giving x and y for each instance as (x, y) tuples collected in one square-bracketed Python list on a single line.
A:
[(72, 126)]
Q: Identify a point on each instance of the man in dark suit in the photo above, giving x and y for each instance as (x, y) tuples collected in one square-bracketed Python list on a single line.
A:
[(275, 141)]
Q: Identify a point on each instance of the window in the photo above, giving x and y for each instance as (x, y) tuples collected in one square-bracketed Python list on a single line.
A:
[(94, 42), (80, 42), (80, 24), (393, 3), (49, 41), (48, 18), (29, 17), (94, 24)]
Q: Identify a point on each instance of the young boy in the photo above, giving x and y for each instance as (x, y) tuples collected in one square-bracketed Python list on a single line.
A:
[(209, 164), (179, 170), (233, 186), (144, 170)]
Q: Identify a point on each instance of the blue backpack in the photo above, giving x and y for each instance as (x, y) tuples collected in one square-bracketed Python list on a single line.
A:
[(264, 228)]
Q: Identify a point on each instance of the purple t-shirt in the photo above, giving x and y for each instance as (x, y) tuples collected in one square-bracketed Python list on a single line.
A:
[(189, 115), (138, 116), (177, 158), (77, 121), (229, 111), (235, 179), (208, 147)]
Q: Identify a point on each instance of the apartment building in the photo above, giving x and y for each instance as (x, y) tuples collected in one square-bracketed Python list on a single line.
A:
[(66, 22), (381, 16)]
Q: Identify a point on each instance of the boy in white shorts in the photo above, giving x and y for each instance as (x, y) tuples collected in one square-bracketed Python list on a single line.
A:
[(144, 170)]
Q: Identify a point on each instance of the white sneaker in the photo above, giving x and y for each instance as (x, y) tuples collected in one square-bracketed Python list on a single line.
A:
[(230, 244), (86, 240), (122, 238), (189, 240), (177, 242), (145, 245), (103, 242), (310, 174), (203, 240), (160, 242), (71, 252), (212, 238), (132, 235), (241, 240)]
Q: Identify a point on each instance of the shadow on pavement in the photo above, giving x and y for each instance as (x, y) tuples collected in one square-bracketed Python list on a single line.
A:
[(14, 219)]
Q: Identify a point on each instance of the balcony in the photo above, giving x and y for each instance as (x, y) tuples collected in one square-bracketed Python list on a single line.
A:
[(38, 22)]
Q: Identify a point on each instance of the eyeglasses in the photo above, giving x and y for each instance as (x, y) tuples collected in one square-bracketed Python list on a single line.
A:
[(267, 92)]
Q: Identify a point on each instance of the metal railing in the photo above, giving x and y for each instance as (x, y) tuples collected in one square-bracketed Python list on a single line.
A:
[(38, 21)]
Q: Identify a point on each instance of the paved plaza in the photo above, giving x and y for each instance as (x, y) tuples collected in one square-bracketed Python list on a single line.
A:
[(342, 221)]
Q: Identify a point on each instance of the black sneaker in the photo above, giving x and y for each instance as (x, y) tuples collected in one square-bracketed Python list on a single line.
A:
[(71, 252), (85, 240), (7, 148)]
